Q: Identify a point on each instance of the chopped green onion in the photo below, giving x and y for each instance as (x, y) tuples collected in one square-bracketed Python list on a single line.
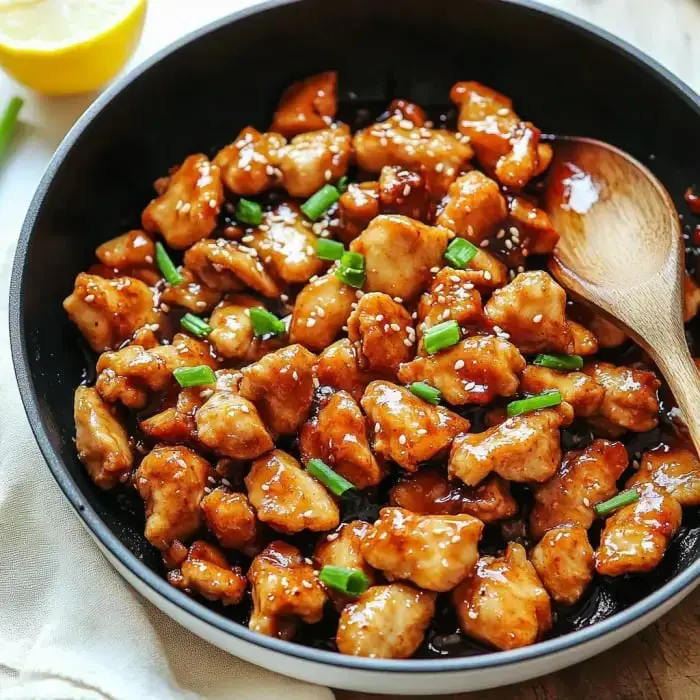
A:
[(460, 253), (444, 335), (167, 266), (249, 212), (624, 498), (342, 184), (349, 581), (195, 325), (194, 376), (355, 278), (560, 362), (426, 392), (320, 202), (333, 482), (265, 323), (533, 403), (353, 261), (329, 250), (8, 122)]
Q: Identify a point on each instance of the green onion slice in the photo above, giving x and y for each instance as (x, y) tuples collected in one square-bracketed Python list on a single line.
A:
[(533, 403), (444, 335), (353, 261), (424, 391), (194, 376), (8, 123), (354, 278), (249, 212), (624, 498), (167, 266), (335, 483), (348, 581), (329, 250), (265, 323), (196, 325), (460, 253), (561, 362), (342, 184), (320, 202)]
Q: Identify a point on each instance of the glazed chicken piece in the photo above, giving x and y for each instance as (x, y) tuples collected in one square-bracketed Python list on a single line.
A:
[(486, 272), (339, 367), (407, 429), (504, 145), (537, 234), (131, 249), (229, 266), (357, 206), (284, 588), (248, 164), (321, 310), (383, 331), (307, 105), (473, 208), (207, 572), (413, 249), (192, 294), (286, 244), (101, 441), (674, 469), (564, 561), (435, 552), (108, 311), (337, 435), (476, 370), (503, 603), (315, 158), (385, 622), (429, 492), (522, 448), (630, 401), (281, 386), (635, 537), (287, 497), (404, 192), (127, 375), (231, 425), (231, 519), (583, 393), (584, 478), (171, 481), (187, 210), (691, 298), (608, 335), (582, 342), (177, 423)]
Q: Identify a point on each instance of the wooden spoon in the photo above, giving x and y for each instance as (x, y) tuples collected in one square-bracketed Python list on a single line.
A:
[(621, 249)]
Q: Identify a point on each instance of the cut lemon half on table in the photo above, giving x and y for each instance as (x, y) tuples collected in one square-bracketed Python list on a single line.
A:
[(60, 47)]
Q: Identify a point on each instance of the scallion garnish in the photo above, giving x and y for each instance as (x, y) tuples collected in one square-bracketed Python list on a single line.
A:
[(560, 362), (426, 392), (533, 403), (460, 253), (265, 323), (352, 260), (333, 482), (320, 202), (194, 376), (351, 582), (352, 269), (444, 335), (249, 212), (167, 266), (342, 184), (195, 325), (8, 123), (624, 498), (329, 250)]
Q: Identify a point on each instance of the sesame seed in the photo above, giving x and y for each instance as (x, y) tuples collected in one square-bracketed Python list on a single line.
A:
[(149, 259), (439, 167), (406, 190), (90, 298), (164, 308), (484, 243), (487, 275), (395, 327), (586, 502), (377, 427), (459, 364), (435, 270), (402, 439), (200, 304), (295, 375), (328, 175), (537, 318), (509, 244), (379, 318), (407, 342)]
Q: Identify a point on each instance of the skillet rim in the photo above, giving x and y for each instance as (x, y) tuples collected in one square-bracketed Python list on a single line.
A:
[(159, 585)]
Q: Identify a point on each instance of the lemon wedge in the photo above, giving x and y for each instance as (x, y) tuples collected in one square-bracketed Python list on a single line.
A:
[(61, 47)]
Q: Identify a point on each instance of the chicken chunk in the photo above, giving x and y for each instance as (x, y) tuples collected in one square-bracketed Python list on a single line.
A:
[(229, 266), (248, 164), (428, 492), (522, 448), (486, 272), (532, 310), (408, 430), (321, 310), (473, 208), (284, 588), (339, 367), (674, 469), (635, 537), (583, 342), (383, 331), (315, 158), (584, 478), (413, 249), (503, 602), (171, 481), (476, 370), (337, 435), (385, 622), (537, 234), (177, 423), (630, 401), (101, 441), (404, 192), (281, 386), (131, 249), (608, 335), (307, 105), (187, 210), (192, 294), (287, 497), (357, 206), (108, 311), (583, 393), (231, 519), (564, 561), (691, 298)]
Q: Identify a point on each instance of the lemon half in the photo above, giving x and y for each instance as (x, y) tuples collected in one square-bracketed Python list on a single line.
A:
[(60, 47)]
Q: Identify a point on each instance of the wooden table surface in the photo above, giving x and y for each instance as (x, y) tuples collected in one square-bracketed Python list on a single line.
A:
[(663, 661)]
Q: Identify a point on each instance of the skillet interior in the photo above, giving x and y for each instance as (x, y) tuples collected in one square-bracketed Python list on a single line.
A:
[(197, 98)]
